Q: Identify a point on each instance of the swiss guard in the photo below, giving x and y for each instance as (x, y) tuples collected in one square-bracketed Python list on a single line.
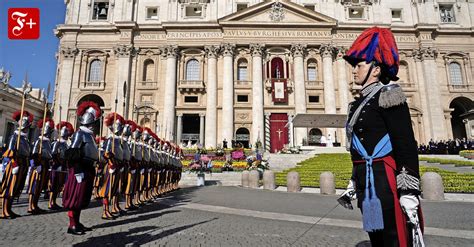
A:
[(59, 168), (15, 164), (385, 177), (42, 155), (114, 157), (81, 156), (135, 159)]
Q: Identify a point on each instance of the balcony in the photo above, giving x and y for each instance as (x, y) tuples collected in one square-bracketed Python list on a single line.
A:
[(92, 85), (242, 84), (314, 84), (191, 86), (269, 87), (461, 88), (192, 137), (147, 85)]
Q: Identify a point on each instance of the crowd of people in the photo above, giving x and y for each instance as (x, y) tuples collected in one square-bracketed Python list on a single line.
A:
[(131, 161), (446, 147)]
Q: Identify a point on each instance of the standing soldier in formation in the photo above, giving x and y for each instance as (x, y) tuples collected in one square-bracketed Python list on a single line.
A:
[(114, 156), (81, 155), (383, 148), (16, 158), (59, 168), (100, 166), (41, 157), (127, 157), (145, 163), (135, 158)]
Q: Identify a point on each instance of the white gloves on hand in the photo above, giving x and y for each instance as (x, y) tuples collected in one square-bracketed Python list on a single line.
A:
[(350, 191), (15, 170), (410, 205), (38, 169), (79, 177), (111, 171)]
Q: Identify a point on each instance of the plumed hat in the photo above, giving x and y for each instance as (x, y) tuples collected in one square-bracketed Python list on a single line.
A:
[(109, 119), (88, 112), (68, 126), (48, 121), (16, 116), (133, 125), (376, 45)]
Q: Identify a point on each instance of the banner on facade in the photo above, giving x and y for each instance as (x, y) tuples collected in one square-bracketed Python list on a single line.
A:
[(279, 91)]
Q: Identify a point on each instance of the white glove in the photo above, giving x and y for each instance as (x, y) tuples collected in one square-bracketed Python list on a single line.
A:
[(350, 190), (142, 171), (58, 169), (79, 177), (15, 170), (122, 169), (133, 171), (410, 205), (111, 171), (38, 169)]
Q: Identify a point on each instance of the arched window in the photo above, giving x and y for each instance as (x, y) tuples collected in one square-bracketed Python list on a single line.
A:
[(95, 70), (312, 70), (242, 70), (192, 70), (403, 72), (148, 70), (455, 74), (315, 136)]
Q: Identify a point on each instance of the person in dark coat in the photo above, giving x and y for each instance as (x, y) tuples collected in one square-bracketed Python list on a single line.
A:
[(385, 177), (81, 155)]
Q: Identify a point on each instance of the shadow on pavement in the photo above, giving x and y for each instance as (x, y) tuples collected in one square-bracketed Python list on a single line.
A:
[(364, 243), (133, 236)]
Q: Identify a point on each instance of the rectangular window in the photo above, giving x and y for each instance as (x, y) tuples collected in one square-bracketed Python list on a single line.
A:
[(242, 98), (100, 10), (242, 74), (310, 6), (190, 99), (396, 15), (194, 11), (242, 6), (312, 76), (446, 14), (313, 99), (152, 13), (356, 13)]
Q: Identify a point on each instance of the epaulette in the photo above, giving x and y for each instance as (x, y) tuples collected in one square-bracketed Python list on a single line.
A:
[(391, 95)]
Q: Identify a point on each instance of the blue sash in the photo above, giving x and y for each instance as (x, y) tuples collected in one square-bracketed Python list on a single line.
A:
[(371, 206)]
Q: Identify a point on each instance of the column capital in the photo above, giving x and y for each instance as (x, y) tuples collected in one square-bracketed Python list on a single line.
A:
[(298, 50), (69, 52), (257, 49), (179, 115), (123, 50), (340, 52), (326, 50), (170, 51), (202, 114), (228, 49), (425, 53), (212, 50)]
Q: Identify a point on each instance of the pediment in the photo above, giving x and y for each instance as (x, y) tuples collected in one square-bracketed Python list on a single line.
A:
[(266, 13)]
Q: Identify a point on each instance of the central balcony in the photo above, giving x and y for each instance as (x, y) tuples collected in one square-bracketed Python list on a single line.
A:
[(191, 86)]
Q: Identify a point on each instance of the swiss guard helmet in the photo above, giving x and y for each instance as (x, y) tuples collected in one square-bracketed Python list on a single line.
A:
[(65, 129), (88, 112), (26, 121), (47, 126), (377, 46), (116, 127)]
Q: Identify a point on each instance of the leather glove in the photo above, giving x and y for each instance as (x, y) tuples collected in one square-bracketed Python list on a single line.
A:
[(409, 204), (79, 177)]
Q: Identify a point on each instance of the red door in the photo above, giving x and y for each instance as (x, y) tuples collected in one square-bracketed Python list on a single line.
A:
[(278, 131)]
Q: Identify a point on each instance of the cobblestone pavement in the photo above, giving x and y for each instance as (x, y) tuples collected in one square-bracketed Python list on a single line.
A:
[(183, 218)]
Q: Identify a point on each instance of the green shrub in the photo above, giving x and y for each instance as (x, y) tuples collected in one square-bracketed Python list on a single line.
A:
[(341, 166), (447, 161)]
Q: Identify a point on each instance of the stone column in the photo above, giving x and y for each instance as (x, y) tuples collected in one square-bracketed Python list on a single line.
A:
[(211, 90), (171, 53), (298, 51), (417, 56), (436, 113), (201, 127), (257, 90), (64, 85), (267, 132), (124, 63), (343, 89), (179, 130), (228, 92), (326, 52)]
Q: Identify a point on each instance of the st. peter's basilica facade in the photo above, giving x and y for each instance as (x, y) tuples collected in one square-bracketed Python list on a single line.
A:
[(208, 70)]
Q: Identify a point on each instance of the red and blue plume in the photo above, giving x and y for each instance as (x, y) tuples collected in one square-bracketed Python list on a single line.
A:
[(376, 44), (68, 126), (16, 116), (85, 105), (133, 125), (109, 119), (47, 120)]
